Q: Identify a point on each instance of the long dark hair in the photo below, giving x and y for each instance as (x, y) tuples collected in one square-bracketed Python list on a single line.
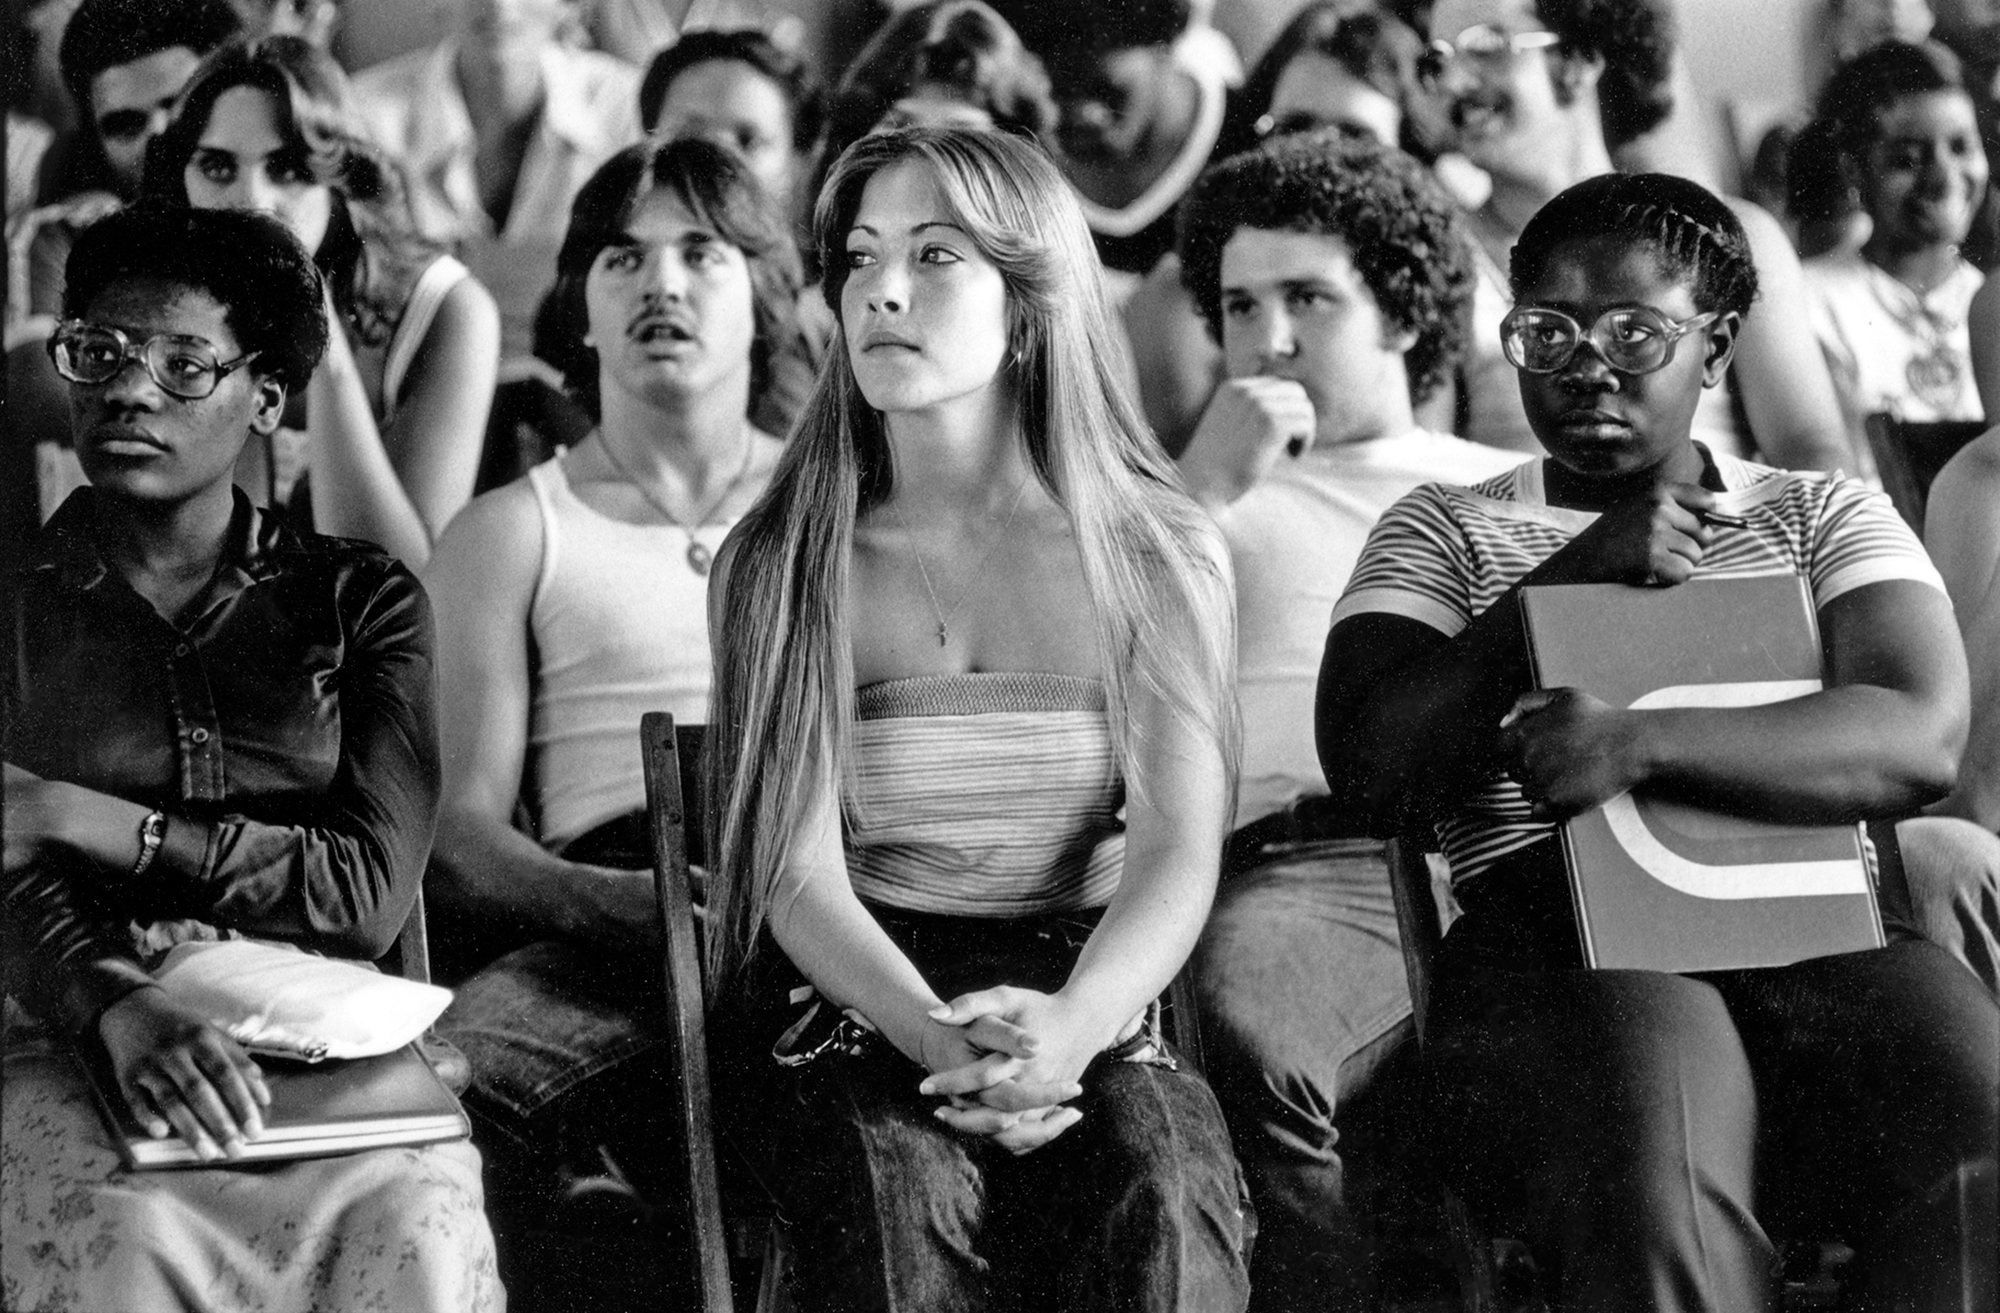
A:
[(371, 252)]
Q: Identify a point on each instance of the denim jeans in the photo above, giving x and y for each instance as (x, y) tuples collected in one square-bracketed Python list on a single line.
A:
[(565, 1052), (1651, 1133), (564, 1043), (1305, 1006), (1138, 1207)]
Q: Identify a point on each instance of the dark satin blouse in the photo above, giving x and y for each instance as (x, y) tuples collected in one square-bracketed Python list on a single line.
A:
[(287, 729)]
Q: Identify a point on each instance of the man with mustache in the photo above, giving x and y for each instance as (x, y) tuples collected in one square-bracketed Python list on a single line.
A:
[(1334, 275), (569, 603)]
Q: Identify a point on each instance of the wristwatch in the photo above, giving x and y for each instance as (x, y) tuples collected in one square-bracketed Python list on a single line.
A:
[(151, 831)]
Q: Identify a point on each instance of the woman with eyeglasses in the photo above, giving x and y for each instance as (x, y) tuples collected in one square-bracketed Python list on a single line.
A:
[(1655, 1136), (395, 415), (216, 726), (1545, 93)]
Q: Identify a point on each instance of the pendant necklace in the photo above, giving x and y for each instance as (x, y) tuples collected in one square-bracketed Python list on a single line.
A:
[(944, 616), (699, 557), (1936, 369)]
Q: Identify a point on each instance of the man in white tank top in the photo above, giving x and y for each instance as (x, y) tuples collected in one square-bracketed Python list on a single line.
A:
[(1335, 276), (570, 603)]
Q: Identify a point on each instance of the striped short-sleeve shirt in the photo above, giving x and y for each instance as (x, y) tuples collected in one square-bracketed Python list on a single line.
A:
[(1444, 554)]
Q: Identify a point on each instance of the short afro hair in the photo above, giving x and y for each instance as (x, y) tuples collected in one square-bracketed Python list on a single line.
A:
[(269, 288), (1402, 232), (792, 75), (1635, 39), (103, 34), (1695, 235)]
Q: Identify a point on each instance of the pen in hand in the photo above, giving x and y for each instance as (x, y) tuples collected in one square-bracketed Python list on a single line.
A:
[(1725, 521)]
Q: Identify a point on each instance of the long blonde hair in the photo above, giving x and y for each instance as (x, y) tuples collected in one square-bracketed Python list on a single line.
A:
[(782, 700)]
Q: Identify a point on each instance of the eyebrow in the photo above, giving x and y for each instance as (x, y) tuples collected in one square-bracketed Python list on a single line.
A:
[(928, 223)]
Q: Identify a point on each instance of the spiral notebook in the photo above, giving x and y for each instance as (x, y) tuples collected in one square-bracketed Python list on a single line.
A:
[(317, 1110), (1661, 885)]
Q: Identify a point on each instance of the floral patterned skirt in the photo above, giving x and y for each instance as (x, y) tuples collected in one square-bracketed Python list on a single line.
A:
[(388, 1229)]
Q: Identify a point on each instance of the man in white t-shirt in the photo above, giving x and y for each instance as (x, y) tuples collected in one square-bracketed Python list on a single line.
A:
[(1335, 275)]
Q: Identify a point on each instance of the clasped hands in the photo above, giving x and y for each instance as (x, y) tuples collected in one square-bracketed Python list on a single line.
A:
[(1007, 1060)]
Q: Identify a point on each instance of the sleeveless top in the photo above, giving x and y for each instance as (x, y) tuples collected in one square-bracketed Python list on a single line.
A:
[(620, 626), (992, 795)]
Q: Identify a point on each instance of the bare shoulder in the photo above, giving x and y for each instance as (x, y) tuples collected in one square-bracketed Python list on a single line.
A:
[(492, 549), (467, 310)]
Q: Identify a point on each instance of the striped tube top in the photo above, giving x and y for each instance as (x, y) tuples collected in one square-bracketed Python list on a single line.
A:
[(985, 795)]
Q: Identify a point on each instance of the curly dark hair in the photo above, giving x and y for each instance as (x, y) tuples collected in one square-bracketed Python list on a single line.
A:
[(793, 76), (1635, 39), (1403, 233), (1692, 230), (267, 285), (371, 252), (716, 186), (1869, 83)]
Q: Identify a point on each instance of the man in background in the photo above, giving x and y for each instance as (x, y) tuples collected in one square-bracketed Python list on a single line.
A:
[(1335, 275)]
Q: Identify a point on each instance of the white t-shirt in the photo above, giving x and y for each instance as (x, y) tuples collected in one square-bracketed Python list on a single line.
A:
[(1294, 539), (1443, 555), (1889, 349)]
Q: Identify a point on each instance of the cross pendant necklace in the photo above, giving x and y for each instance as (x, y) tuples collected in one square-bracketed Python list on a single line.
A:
[(944, 616)]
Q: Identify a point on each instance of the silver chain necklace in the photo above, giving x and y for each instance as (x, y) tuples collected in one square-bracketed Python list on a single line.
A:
[(943, 616), (699, 557)]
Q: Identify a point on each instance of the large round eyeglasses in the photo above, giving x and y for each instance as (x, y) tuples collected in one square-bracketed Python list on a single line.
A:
[(186, 367), (1632, 339)]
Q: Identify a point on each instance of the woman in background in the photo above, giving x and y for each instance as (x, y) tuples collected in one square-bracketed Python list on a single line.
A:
[(972, 620), (396, 413), (1892, 318)]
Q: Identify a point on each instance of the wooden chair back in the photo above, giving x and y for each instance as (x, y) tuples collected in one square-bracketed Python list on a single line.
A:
[(686, 1023), (1908, 456)]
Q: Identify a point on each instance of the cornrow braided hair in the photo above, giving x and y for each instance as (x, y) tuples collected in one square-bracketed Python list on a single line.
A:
[(1695, 234)]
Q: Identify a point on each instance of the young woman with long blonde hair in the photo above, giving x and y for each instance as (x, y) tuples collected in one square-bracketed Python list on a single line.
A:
[(973, 753)]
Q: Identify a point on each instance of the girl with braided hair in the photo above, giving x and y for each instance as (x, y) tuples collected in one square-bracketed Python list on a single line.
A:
[(1546, 93), (1655, 1136)]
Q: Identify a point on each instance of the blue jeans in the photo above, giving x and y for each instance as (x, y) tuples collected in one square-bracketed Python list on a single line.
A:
[(565, 1053), (1305, 1002), (564, 1044), (1138, 1207)]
